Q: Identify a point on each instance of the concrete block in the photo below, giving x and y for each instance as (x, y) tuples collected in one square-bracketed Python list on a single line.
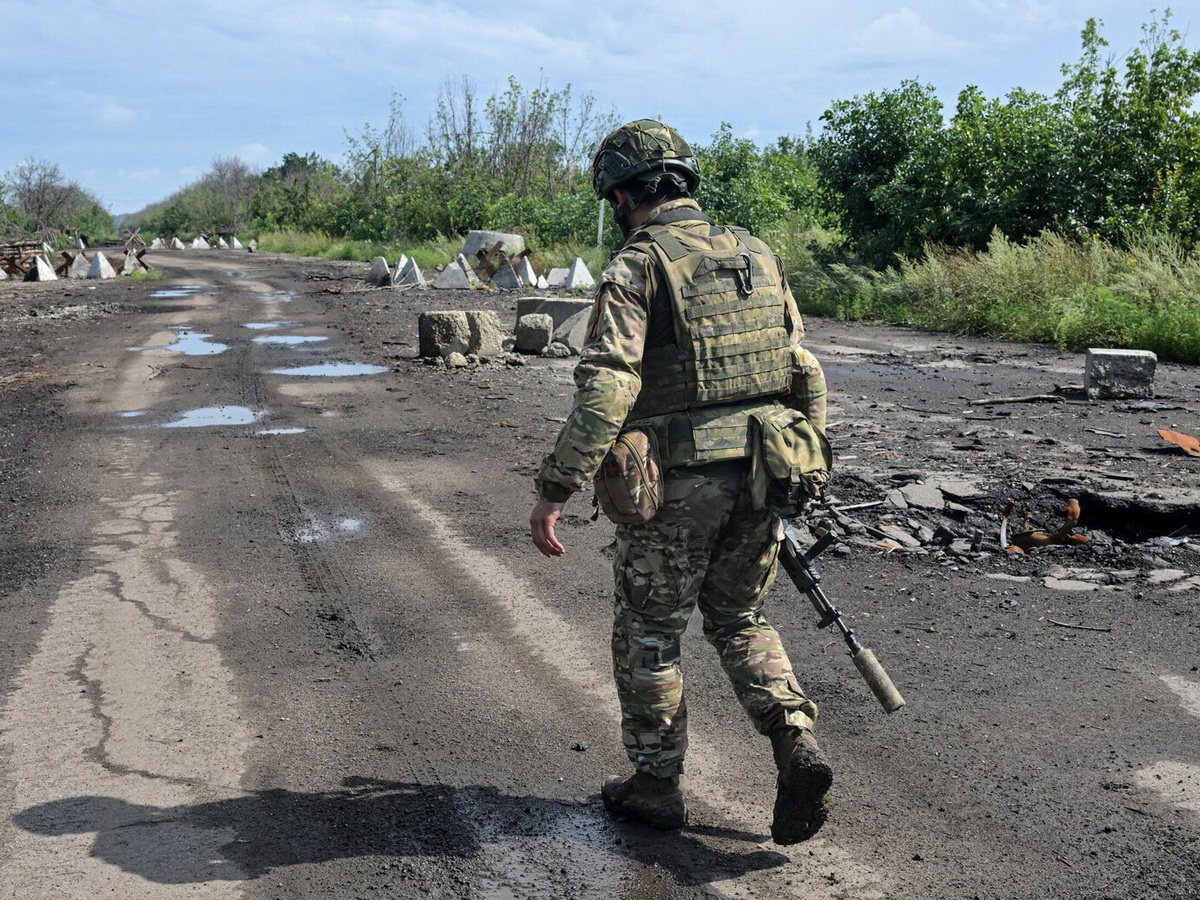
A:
[(398, 269), (558, 309), (411, 275), (452, 278), (79, 266), (131, 265), (524, 269), (41, 270), (100, 267), (201, 244), (158, 244), (234, 243), (486, 333), (534, 332), (506, 278), (3, 275), (177, 244), (578, 276), (1119, 374), (574, 332), (468, 270), (557, 278), (443, 332), (80, 243), (542, 283), (485, 240), (222, 244), (380, 273)]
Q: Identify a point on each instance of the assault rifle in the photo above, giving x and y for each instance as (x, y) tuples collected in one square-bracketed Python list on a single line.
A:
[(798, 564)]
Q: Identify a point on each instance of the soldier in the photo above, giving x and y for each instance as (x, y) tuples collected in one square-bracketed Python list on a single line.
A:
[(694, 332)]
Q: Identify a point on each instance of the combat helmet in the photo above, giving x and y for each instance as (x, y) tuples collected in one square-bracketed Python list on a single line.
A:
[(639, 151)]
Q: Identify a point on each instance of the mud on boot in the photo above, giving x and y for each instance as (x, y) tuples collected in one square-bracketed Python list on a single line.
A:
[(657, 802), (804, 779)]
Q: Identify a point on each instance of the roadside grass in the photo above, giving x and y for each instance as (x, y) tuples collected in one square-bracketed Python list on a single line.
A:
[(428, 254), (1143, 295)]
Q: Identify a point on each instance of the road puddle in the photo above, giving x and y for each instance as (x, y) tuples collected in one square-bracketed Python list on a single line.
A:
[(215, 415), (184, 290), (132, 413), (193, 343), (282, 431), (276, 297), (265, 326), (291, 340), (332, 370)]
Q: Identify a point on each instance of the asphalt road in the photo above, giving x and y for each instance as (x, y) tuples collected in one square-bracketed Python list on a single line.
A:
[(279, 632)]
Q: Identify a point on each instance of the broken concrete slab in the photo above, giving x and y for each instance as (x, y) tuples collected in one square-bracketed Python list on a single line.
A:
[(486, 333), (1164, 576), (411, 275), (100, 267), (578, 276), (41, 270), (558, 309), (534, 333), (923, 496), (380, 273), (574, 331), (443, 332), (506, 278), (1119, 374), (451, 278), (900, 536), (512, 244), (79, 266)]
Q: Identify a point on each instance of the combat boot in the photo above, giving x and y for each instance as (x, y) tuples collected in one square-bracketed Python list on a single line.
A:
[(804, 778), (657, 802)]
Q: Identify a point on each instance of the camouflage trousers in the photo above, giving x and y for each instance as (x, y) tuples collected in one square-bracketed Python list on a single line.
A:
[(705, 547)]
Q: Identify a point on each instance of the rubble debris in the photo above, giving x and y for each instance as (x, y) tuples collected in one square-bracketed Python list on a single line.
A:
[(1031, 398), (1079, 627), (578, 276), (100, 267), (923, 496), (380, 273), (534, 332), (1185, 442), (1119, 374), (555, 350), (511, 244), (411, 275), (41, 270), (456, 361)]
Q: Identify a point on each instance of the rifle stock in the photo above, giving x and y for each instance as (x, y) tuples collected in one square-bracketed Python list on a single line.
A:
[(797, 562)]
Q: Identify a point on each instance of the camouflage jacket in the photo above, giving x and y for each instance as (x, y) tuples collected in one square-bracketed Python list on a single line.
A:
[(608, 376)]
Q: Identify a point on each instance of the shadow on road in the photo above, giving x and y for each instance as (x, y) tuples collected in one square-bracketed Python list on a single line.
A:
[(247, 837)]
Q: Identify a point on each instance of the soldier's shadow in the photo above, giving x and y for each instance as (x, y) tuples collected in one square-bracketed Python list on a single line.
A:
[(247, 837)]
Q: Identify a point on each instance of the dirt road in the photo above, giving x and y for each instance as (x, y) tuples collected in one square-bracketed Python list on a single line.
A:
[(278, 631)]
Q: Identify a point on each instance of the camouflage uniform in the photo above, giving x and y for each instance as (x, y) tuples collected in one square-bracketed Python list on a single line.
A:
[(706, 546)]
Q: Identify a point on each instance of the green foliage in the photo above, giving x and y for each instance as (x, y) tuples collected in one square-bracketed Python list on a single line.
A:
[(35, 199)]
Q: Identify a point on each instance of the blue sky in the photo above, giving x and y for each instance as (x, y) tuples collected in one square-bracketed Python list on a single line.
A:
[(135, 101)]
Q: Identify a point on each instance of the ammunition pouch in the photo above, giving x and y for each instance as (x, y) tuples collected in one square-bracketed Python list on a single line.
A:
[(629, 482), (790, 461)]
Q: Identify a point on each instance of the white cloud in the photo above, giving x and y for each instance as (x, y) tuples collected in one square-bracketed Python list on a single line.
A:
[(114, 115), (904, 36), (140, 175)]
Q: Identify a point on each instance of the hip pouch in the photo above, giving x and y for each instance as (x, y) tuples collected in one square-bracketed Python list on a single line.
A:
[(629, 483), (790, 462)]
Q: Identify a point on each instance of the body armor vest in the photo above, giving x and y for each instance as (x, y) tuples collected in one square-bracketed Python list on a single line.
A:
[(725, 353)]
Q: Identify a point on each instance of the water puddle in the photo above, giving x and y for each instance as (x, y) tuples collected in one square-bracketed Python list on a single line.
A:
[(215, 415), (332, 370), (132, 413), (292, 340), (321, 532), (184, 290), (193, 343), (265, 326), (282, 431), (276, 297)]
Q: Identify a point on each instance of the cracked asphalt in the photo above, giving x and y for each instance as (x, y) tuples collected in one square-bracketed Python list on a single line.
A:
[(274, 634)]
